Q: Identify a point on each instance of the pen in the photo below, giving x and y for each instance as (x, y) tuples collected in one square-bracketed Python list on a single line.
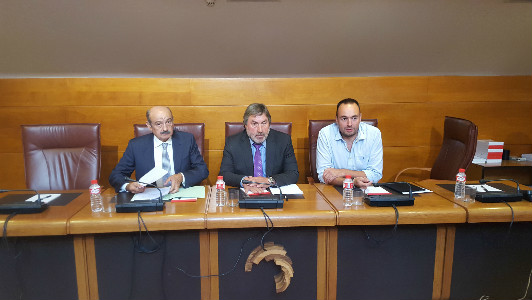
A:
[(483, 188)]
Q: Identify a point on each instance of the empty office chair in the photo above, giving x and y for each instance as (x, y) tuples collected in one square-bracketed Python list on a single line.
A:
[(197, 129), (232, 128), (61, 156), (457, 150), (314, 127)]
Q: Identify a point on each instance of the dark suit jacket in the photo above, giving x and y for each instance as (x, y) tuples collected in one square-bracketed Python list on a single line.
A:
[(138, 157), (237, 161)]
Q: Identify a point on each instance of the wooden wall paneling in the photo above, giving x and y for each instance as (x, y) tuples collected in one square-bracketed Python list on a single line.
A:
[(479, 88), (410, 110), (80, 253)]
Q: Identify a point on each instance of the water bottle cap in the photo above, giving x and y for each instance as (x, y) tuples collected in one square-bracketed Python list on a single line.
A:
[(347, 176), (94, 181), (461, 170), (220, 177)]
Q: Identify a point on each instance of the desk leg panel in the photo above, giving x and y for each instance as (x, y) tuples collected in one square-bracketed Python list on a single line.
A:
[(38, 268), (125, 273), (386, 265), (301, 246), (490, 260)]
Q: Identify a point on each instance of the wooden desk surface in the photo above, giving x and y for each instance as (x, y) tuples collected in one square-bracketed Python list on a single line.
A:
[(313, 210), (428, 208), (52, 221), (175, 216), (478, 212)]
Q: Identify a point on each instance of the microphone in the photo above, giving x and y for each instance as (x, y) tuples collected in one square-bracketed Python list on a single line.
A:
[(391, 200), (147, 184), (495, 197), (261, 201), (126, 205), (23, 207)]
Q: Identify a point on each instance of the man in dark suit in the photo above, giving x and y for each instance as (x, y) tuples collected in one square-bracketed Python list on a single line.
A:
[(174, 151), (258, 155)]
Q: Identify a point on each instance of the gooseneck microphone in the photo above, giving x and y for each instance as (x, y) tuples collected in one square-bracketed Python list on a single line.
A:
[(499, 196), (126, 205), (147, 184), (23, 207), (391, 200)]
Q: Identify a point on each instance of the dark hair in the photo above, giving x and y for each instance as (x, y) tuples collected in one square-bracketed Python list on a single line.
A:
[(347, 101), (256, 109)]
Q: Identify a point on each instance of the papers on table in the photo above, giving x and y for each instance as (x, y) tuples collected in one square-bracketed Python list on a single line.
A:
[(483, 188), (376, 190), (152, 176), (291, 189), (151, 194), (45, 198), (188, 194)]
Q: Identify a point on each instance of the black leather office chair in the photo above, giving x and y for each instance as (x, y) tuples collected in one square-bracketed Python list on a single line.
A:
[(456, 152)]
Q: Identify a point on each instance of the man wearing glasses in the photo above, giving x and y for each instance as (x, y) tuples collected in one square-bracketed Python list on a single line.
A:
[(174, 151), (258, 157)]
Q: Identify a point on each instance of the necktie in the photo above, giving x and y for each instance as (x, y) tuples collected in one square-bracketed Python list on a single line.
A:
[(257, 162), (166, 162)]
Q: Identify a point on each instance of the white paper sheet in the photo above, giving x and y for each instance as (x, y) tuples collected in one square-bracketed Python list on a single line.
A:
[(483, 188), (151, 194), (291, 189), (45, 198), (152, 176), (376, 190)]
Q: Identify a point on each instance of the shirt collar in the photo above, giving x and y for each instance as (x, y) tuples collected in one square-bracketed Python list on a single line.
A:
[(157, 142), (251, 142)]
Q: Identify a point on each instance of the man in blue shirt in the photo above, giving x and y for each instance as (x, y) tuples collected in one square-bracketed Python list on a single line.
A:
[(349, 147)]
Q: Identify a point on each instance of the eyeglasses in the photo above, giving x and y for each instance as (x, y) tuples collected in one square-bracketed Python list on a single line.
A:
[(160, 124)]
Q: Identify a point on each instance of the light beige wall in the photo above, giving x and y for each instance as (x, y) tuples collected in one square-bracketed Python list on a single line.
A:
[(261, 38)]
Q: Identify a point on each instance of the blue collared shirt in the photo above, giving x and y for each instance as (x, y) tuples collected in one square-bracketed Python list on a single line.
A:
[(365, 154)]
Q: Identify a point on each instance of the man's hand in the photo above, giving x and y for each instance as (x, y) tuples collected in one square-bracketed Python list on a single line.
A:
[(362, 182), (175, 182), (258, 186), (135, 187), (330, 174)]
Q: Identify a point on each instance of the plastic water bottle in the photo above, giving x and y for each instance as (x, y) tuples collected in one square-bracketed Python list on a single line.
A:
[(348, 190), (220, 191), (459, 188), (96, 196)]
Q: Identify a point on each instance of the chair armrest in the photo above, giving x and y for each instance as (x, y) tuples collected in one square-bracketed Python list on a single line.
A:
[(412, 168)]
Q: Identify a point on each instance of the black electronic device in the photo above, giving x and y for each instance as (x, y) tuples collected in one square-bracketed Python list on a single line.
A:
[(495, 197), (390, 200), (260, 201), (527, 195), (125, 205), (23, 207)]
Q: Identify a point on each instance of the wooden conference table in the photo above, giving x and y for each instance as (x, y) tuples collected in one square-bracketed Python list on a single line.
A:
[(337, 252), (37, 257), (491, 253)]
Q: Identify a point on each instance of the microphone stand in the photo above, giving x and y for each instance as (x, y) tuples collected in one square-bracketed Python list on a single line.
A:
[(23, 208), (495, 197), (140, 206), (147, 184)]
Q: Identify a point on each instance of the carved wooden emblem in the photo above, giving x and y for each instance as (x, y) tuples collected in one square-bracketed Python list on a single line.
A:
[(277, 253)]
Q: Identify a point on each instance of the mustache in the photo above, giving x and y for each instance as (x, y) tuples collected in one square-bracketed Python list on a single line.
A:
[(165, 132)]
